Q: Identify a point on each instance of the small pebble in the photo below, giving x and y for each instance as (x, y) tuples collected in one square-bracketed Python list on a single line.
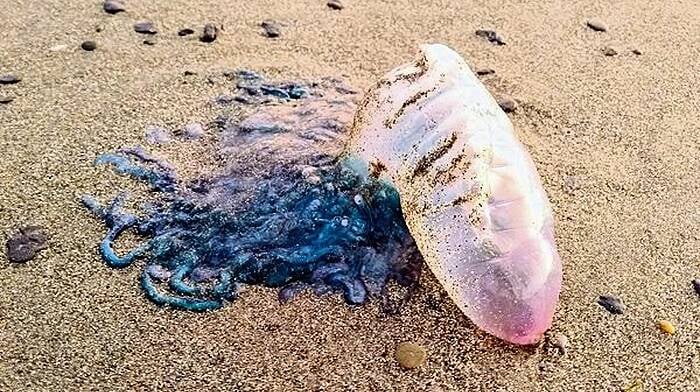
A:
[(572, 184), (491, 36), (99, 28), (58, 48), (636, 51), (145, 27), (667, 327), (611, 304), (485, 71), (561, 342), (9, 79), (89, 46), (113, 7), (636, 386), (410, 355), (508, 104), (190, 73), (185, 32), (608, 51), (335, 5), (209, 33), (24, 245), (272, 29), (696, 285), (5, 99), (149, 41), (597, 24)]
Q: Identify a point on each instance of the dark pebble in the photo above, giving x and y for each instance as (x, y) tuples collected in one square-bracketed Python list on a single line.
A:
[(611, 304), (508, 104), (696, 285), (608, 51), (272, 29), (491, 36), (485, 71), (113, 7), (145, 27), (637, 52), (597, 24), (4, 99), (209, 33), (24, 245), (9, 79), (149, 41), (335, 5), (185, 32), (89, 46), (99, 28)]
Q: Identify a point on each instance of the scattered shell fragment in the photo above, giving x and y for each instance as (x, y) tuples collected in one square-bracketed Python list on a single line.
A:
[(612, 304), (572, 184), (410, 355), (636, 51), (4, 99), (667, 327), (209, 33), (58, 48), (597, 24), (561, 342), (149, 41), (192, 131), (145, 27)]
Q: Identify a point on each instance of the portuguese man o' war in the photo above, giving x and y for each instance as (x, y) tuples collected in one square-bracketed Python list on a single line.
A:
[(470, 193), (283, 212), (307, 197)]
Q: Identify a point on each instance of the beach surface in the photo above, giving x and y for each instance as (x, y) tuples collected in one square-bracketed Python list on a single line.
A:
[(616, 140)]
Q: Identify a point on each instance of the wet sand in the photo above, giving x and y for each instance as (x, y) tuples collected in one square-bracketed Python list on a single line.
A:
[(616, 141)]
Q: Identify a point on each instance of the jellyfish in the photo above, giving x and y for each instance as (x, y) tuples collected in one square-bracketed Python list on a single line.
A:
[(470, 194), (317, 192), (281, 212)]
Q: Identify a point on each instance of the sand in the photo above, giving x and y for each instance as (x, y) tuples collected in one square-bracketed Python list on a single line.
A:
[(615, 139)]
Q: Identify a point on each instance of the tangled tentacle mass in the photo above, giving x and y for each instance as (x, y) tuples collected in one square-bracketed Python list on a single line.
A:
[(285, 210)]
